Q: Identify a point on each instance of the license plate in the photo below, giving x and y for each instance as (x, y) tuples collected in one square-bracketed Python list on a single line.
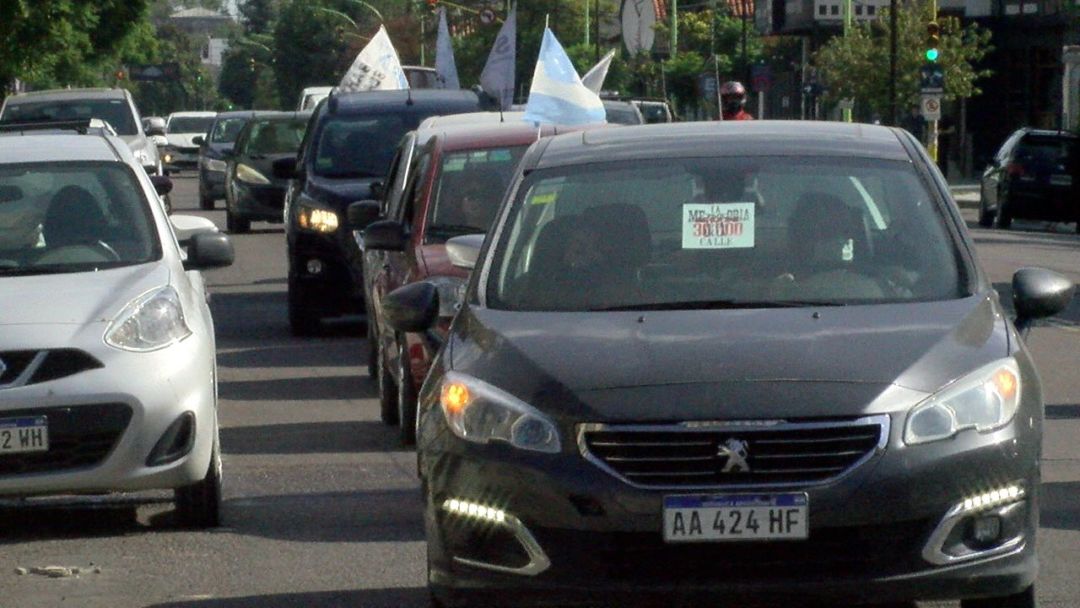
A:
[(24, 435), (1061, 180), (736, 517)]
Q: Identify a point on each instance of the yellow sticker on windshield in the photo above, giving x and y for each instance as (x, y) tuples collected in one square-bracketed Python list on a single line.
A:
[(543, 198), (718, 226)]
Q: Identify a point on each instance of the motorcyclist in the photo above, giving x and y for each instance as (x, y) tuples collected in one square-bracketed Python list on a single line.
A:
[(733, 101)]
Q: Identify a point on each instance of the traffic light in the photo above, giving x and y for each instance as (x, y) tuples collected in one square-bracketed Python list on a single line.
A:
[(933, 41)]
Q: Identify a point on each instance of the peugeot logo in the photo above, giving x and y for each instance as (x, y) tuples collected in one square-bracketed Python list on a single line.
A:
[(736, 451)]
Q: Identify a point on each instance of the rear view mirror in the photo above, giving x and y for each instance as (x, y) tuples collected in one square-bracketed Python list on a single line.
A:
[(285, 168), (385, 235), (155, 126), (361, 214), (412, 308), (162, 184), (1039, 293), (463, 251), (209, 250)]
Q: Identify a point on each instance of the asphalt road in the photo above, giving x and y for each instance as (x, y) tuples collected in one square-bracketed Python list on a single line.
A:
[(322, 507)]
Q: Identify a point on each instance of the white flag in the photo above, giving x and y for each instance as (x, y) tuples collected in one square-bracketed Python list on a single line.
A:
[(376, 68), (557, 95), (497, 78), (594, 78), (445, 67)]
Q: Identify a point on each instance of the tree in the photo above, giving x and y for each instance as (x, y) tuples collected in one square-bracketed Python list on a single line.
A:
[(258, 16), (857, 66)]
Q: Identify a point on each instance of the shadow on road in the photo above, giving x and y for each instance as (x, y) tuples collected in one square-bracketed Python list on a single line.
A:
[(357, 598), (294, 354), (44, 523), (1059, 508), (313, 388), (310, 438), (264, 315), (1067, 411)]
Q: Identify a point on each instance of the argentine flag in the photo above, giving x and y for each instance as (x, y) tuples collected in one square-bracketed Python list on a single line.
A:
[(557, 95)]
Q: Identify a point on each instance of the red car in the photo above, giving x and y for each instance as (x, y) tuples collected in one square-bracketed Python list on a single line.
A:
[(445, 182)]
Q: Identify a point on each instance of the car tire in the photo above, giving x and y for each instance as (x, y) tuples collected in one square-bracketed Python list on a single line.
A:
[(986, 219), (236, 224), (199, 504), (406, 401), (388, 395), (206, 203), (301, 322), (1024, 599)]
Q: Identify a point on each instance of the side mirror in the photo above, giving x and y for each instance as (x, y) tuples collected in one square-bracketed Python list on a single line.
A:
[(187, 226), (385, 235), (361, 214), (159, 140), (464, 250), (155, 126), (1039, 293), (209, 250), (378, 191), (284, 168), (198, 140), (162, 184), (412, 308)]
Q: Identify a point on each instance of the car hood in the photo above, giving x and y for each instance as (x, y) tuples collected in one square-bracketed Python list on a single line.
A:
[(756, 362), (183, 140), (78, 298), (339, 192)]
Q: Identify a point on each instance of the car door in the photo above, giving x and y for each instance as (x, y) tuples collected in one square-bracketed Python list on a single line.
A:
[(994, 174)]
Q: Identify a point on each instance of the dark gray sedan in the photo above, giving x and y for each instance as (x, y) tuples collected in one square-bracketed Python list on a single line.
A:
[(738, 360)]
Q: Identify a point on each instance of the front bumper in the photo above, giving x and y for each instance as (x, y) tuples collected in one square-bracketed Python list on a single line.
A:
[(92, 449), (869, 530), (211, 183), (338, 287), (180, 158)]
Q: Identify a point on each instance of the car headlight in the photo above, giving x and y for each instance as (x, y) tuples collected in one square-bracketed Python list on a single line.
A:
[(319, 220), (213, 164), (151, 321), (481, 413), (985, 399), (250, 175), (451, 294)]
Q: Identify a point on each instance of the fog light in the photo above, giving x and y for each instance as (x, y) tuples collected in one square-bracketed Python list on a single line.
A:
[(986, 530), (175, 443), (314, 266)]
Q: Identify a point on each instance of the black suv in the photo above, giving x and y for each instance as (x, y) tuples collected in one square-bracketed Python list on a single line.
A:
[(1035, 175), (346, 151)]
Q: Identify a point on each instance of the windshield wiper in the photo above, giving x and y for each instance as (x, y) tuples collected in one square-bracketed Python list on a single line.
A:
[(721, 305)]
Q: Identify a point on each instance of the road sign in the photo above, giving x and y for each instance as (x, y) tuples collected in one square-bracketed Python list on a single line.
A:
[(487, 16), (931, 79), (761, 78), (931, 107), (638, 19)]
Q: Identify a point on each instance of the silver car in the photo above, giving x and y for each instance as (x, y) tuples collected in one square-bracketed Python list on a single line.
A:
[(108, 377)]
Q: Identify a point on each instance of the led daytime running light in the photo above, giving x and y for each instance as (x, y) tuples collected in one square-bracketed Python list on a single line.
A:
[(474, 510), (991, 499)]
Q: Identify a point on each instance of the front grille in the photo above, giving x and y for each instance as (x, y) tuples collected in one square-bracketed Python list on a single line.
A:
[(724, 454), (25, 367), (80, 436), (871, 550)]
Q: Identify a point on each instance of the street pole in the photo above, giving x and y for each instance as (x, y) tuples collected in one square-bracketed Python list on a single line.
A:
[(893, 19), (422, 35), (932, 132), (847, 30), (745, 60), (596, 19), (674, 28), (587, 27)]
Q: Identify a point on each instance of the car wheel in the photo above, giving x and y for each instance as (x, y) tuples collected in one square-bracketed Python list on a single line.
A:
[(1024, 599), (236, 224), (388, 392), (986, 219), (199, 504), (301, 321), (406, 402), (206, 203)]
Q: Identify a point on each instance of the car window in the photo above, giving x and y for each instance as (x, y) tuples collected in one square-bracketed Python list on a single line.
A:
[(744, 232), (395, 178), (190, 124), (358, 146), (275, 137), (226, 130), (622, 115), (414, 190), (468, 190), (72, 217), (1043, 152), (116, 112)]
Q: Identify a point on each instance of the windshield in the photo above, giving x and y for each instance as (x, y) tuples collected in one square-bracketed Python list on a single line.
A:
[(190, 124), (358, 146), (116, 112), (72, 217), (225, 131), (723, 232), (469, 190), (276, 137)]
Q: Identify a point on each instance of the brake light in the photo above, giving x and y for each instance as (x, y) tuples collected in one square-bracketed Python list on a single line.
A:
[(1014, 170)]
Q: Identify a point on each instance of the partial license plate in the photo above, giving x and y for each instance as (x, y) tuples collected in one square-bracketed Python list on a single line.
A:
[(1061, 180), (736, 517), (24, 435)]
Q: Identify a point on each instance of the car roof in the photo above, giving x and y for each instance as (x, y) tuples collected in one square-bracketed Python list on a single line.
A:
[(192, 114), (62, 94), (316, 90), (486, 136), (730, 138), (1049, 133), (237, 114), (384, 101), (472, 118), (60, 147), (276, 115)]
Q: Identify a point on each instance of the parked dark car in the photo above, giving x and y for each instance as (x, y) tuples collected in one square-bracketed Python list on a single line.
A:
[(739, 360), (213, 151), (347, 150), (252, 191), (1035, 175), (458, 175)]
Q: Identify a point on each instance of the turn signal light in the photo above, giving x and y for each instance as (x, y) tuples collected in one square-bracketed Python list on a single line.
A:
[(455, 397)]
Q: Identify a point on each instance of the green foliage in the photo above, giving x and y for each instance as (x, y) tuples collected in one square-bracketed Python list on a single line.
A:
[(193, 91), (309, 47), (858, 65)]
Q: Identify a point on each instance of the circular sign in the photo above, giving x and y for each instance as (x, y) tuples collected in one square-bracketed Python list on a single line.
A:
[(638, 23), (487, 16), (932, 105)]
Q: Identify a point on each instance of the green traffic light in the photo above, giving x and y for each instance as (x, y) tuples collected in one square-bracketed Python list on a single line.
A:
[(932, 54)]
